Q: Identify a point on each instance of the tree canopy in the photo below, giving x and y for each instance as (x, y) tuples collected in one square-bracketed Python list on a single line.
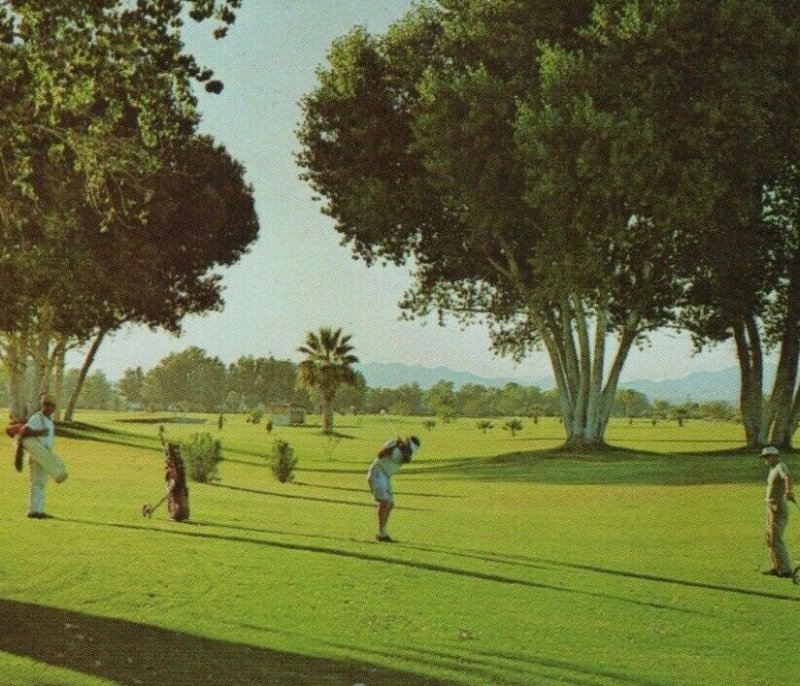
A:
[(114, 209), (555, 169)]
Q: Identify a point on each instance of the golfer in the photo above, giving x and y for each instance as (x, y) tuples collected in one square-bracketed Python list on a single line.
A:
[(40, 427), (779, 493), (392, 455)]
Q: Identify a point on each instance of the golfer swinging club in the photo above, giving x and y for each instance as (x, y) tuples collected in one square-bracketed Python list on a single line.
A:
[(391, 456), (779, 493)]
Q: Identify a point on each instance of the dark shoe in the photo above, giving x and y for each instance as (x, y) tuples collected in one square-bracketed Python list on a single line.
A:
[(39, 515), (771, 572), (385, 538), (785, 575)]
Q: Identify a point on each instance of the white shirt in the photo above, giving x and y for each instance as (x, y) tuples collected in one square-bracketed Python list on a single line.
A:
[(39, 421)]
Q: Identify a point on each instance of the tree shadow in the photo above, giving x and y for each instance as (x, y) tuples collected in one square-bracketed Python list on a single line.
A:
[(416, 564), (364, 490), (613, 466), (544, 563), (515, 669), (130, 653), (290, 496)]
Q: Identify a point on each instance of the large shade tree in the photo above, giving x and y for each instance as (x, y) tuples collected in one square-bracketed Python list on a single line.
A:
[(556, 167), (97, 103), (413, 139), (713, 86), (200, 218), (327, 366)]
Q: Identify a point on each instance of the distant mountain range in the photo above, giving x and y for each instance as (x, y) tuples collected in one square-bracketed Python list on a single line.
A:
[(392, 375), (697, 387)]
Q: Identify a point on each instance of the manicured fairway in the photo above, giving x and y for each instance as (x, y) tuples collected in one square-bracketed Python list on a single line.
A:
[(517, 564)]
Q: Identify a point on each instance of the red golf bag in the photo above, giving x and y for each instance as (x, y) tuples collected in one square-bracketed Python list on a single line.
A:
[(175, 476)]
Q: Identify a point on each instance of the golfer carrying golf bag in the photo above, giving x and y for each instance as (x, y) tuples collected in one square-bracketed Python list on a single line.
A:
[(779, 494), (391, 456)]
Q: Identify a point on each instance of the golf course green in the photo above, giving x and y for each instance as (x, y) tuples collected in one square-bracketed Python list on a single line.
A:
[(516, 563)]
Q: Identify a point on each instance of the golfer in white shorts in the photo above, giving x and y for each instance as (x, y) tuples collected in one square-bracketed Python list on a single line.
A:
[(392, 455)]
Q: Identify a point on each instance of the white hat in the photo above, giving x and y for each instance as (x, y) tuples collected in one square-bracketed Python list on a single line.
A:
[(770, 450)]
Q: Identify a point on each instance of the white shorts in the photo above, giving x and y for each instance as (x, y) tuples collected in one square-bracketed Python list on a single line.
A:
[(380, 486)]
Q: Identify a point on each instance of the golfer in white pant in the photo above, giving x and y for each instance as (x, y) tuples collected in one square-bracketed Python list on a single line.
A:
[(40, 427)]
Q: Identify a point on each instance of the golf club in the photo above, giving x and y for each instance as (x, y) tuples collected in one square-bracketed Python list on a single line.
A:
[(147, 509)]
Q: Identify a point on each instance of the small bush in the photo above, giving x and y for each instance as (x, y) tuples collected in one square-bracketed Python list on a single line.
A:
[(201, 455), (256, 416), (283, 461), (513, 425), (484, 425)]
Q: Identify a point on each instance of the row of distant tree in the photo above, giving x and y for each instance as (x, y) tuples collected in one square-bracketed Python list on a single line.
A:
[(192, 381)]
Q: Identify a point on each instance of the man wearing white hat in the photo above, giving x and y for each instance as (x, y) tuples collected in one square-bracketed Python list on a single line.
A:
[(779, 493), (391, 456)]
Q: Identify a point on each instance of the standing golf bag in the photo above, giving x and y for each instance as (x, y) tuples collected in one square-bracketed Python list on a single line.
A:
[(175, 476)]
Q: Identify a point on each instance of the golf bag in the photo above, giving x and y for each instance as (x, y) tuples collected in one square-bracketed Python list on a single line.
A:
[(175, 476), (16, 430)]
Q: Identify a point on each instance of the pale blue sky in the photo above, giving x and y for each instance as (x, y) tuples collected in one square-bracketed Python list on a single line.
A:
[(297, 277)]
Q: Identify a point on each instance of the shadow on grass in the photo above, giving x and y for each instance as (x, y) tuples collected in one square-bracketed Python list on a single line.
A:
[(331, 501), (366, 490), (509, 668), (128, 653), (613, 466), (543, 563), (184, 531), (89, 432)]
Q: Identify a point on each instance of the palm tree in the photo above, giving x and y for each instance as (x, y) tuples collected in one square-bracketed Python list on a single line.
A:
[(326, 367)]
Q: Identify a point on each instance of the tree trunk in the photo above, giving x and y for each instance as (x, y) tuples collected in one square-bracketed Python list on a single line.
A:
[(751, 371), (87, 363), (783, 394), (42, 365), (587, 397), (58, 364), (327, 414), (780, 412), (15, 358)]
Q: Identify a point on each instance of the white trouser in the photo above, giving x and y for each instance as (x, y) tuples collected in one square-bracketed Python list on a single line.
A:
[(38, 482)]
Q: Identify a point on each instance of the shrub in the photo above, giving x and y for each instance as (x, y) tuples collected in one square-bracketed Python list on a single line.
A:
[(256, 416), (513, 425), (484, 425), (201, 455), (283, 460)]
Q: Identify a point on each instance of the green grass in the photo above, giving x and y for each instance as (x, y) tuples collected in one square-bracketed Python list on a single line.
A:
[(517, 564)]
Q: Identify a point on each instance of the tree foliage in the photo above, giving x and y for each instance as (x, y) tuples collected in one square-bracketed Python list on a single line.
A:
[(188, 380), (419, 143), (98, 117), (571, 173)]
